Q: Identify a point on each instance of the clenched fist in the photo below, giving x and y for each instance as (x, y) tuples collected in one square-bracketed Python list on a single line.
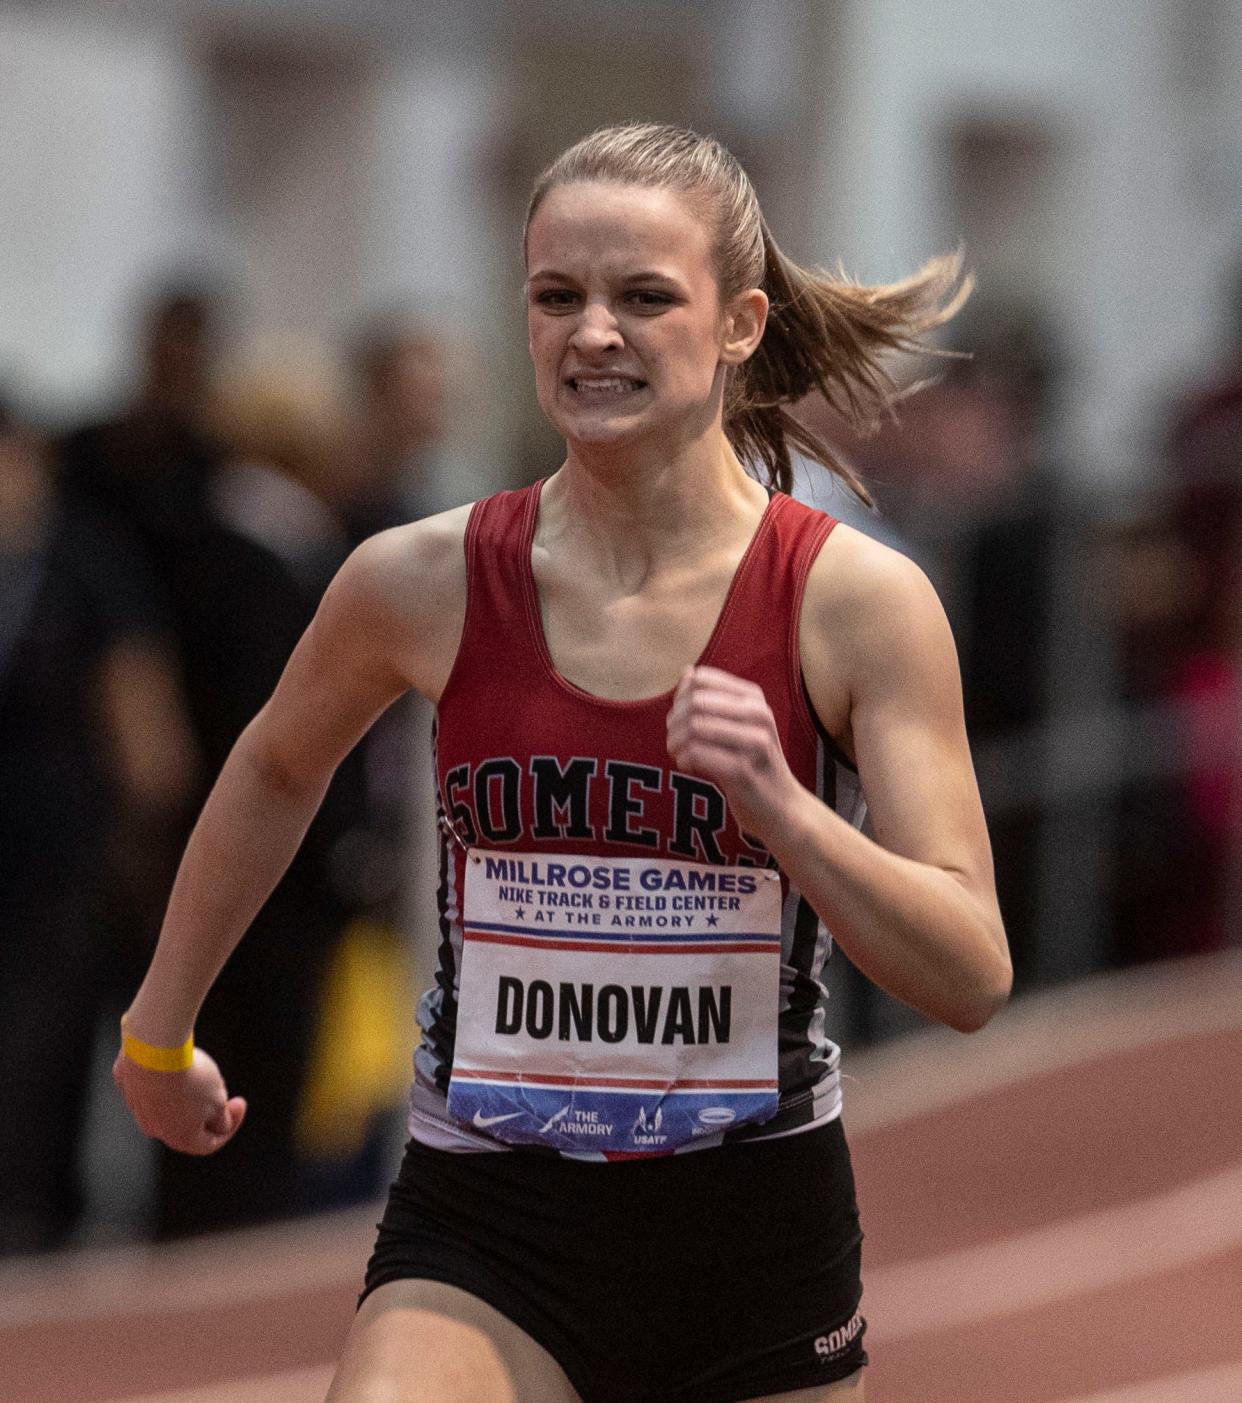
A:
[(190, 1111), (721, 728)]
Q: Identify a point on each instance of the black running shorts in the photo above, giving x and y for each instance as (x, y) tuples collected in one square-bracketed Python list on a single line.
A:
[(709, 1277)]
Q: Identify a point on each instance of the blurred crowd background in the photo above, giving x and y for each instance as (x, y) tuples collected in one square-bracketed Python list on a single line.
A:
[(260, 296)]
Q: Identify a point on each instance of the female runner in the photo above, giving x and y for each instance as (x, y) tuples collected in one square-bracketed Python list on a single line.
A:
[(662, 689)]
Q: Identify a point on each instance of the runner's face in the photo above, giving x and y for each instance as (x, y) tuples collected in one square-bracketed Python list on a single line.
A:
[(623, 310)]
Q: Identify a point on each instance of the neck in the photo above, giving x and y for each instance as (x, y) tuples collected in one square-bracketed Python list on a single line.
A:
[(639, 506)]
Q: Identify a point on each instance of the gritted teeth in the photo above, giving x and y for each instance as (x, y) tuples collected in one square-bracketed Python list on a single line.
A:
[(606, 384)]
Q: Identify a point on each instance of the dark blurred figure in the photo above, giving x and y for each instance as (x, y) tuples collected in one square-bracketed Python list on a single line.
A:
[(288, 480), (148, 468), (401, 378), (400, 372), (236, 611), (401, 396), (151, 463), (1012, 518), (1015, 369), (964, 475), (1172, 862), (1189, 652), (401, 401), (1206, 440), (288, 484), (91, 725)]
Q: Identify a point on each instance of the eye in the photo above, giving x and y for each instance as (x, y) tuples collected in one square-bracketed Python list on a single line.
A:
[(555, 299), (646, 299)]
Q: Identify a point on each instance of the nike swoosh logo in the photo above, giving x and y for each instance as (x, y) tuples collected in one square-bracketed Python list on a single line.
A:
[(483, 1121)]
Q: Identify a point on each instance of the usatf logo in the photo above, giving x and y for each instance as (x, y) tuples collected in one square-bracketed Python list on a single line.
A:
[(834, 1344), (647, 1129)]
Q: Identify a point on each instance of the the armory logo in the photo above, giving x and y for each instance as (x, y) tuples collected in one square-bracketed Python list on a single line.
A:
[(834, 1344)]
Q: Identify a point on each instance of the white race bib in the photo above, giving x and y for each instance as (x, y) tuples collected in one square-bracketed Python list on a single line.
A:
[(626, 1005)]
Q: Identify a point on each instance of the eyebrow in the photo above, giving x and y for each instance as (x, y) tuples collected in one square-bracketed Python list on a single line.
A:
[(646, 276)]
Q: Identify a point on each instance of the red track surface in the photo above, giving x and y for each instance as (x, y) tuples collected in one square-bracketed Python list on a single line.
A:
[(1053, 1212)]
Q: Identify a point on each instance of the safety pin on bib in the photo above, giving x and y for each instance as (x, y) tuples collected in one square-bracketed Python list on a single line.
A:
[(450, 827)]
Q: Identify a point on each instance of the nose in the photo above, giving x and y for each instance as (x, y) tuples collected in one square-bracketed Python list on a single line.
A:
[(596, 330)]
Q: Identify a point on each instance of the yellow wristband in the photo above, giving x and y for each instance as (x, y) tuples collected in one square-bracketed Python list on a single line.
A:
[(156, 1059)]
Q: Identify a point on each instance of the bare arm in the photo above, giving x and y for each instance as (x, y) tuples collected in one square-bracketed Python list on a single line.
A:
[(915, 908), (389, 621)]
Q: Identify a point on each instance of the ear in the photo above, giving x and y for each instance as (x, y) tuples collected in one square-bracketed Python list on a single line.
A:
[(744, 320)]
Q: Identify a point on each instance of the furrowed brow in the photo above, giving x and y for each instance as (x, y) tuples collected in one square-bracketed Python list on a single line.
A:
[(548, 275)]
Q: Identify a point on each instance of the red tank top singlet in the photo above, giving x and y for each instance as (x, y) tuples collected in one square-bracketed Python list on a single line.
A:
[(529, 764)]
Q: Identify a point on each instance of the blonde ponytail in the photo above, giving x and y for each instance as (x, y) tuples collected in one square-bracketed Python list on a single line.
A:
[(829, 334)]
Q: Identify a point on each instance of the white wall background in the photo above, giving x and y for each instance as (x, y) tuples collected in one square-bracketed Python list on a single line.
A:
[(1146, 99), (112, 164), (100, 183)]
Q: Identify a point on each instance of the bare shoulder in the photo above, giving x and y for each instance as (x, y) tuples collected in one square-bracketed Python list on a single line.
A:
[(405, 589), (873, 625), (866, 592), (428, 552)]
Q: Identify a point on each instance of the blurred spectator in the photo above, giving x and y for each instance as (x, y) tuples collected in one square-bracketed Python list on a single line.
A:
[(90, 724), (148, 467), (236, 612), (288, 484), (401, 378), (964, 478), (1189, 653), (1017, 512), (1172, 843), (401, 381), (151, 462), (1206, 441)]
